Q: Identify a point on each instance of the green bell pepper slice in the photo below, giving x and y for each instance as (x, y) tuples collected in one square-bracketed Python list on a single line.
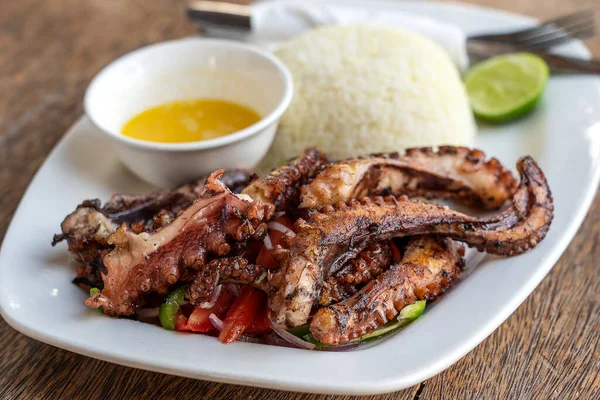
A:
[(407, 315), (413, 311), (300, 331), (168, 310), (94, 291)]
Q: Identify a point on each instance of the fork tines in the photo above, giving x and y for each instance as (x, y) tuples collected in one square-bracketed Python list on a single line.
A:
[(550, 33)]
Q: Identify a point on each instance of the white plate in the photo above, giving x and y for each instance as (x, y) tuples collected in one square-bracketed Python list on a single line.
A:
[(38, 299)]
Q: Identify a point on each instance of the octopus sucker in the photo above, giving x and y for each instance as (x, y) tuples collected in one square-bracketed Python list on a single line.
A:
[(226, 270), (327, 240), (367, 265), (455, 173), (282, 186), (426, 270)]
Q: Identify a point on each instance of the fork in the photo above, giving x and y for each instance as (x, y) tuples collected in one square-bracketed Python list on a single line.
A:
[(540, 38), (581, 24), (558, 64), (217, 16), (548, 34)]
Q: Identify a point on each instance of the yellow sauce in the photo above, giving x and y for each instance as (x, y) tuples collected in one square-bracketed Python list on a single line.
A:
[(190, 121)]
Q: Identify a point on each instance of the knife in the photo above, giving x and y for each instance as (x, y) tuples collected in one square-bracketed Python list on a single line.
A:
[(217, 17)]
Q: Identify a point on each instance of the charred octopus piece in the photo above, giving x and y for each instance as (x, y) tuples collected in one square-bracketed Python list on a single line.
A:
[(337, 233), (428, 267), (369, 263), (144, 263), (451, 172), (87, 229), (225, 270), (144, 208), (282, 186)]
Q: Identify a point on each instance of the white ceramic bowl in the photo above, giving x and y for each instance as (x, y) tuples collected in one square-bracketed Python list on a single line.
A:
[(190, 69)]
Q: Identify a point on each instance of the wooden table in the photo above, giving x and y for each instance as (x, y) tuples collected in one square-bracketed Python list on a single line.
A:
[(49, 51)]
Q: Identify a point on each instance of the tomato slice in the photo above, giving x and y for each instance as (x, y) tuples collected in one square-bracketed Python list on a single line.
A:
[(265, 256), (276, 235), (252, 249), (285, 221), (261, 324), (180, 321), (242, 313), (395, 252), (198, 320)]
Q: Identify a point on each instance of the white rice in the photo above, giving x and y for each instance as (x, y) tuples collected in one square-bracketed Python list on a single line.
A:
[(363, 89)]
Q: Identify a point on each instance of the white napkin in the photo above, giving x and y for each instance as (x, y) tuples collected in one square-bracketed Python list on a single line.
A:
[(277, 20)]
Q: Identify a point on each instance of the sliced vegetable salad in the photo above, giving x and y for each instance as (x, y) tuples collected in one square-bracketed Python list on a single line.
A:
[(240, 313)]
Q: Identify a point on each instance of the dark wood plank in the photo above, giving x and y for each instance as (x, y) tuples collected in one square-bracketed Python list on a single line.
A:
[(550, 347), (32, 370), (48, 53)]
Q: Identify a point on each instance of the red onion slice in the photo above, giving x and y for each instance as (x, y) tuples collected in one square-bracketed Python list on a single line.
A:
[(268, 243), (233, 288), (276, 226), (216, 322), (251, 339), (277, 341), (278, 214), (213, 299), (148, 312), (341, 347), (296, 341)]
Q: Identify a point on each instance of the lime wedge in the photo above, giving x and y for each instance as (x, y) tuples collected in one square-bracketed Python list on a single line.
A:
[(506, 87)]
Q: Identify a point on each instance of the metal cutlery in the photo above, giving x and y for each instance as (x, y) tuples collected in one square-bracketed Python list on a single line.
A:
[(219, 18), (548, 34)]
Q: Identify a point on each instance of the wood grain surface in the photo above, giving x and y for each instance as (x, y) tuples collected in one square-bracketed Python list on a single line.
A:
[(49, 50)]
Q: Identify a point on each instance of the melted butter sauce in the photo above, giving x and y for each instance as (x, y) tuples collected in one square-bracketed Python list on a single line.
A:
[(190, 121)]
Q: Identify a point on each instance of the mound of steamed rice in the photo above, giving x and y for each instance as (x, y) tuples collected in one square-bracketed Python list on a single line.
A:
[(364, 89)]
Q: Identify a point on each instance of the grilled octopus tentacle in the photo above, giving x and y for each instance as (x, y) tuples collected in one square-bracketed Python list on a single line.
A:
[(451, 172), (134, 208), (282, 186), (336, 234), (369, 263), (428, 267), (146, 263), (225, 270), (87, 229)]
